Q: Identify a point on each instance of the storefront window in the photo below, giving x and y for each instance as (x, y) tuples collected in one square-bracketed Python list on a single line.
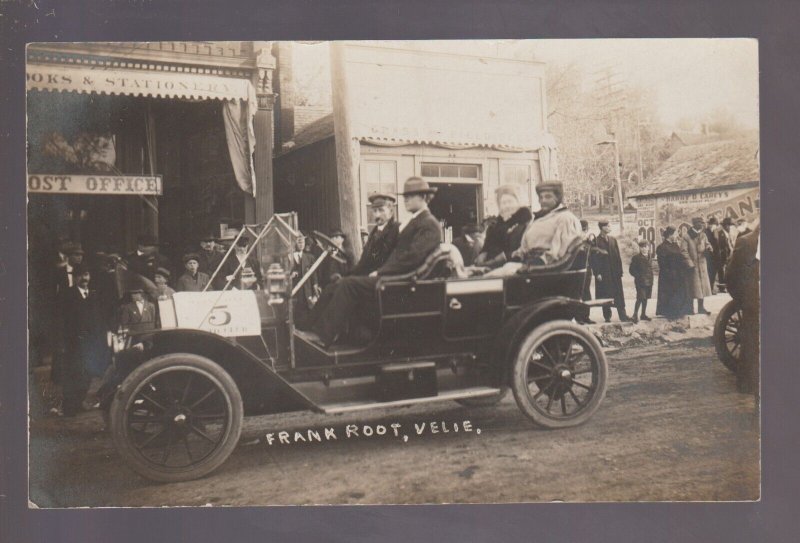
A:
[(518, 174), (452, 171), (378, 176)]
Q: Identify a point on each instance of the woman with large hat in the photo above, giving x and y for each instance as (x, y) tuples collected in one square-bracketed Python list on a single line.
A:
[(504, 236)]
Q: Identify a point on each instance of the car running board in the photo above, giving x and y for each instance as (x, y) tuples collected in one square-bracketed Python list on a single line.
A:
[(473, 392)]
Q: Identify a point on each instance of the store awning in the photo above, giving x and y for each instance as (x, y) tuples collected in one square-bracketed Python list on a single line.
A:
[(121, 81)]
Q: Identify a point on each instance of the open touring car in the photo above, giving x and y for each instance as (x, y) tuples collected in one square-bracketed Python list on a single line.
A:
[(177, 395)]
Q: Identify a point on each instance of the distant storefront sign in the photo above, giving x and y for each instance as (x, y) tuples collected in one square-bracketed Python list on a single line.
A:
[(113, 80), (95, 184)]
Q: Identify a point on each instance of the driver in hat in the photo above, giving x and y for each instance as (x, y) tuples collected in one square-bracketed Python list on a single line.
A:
[(419, 235)]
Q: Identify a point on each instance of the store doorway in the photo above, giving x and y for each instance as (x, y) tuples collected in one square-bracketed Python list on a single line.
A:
[(456, 205)]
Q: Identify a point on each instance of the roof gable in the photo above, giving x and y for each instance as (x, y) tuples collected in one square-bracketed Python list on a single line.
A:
[(703, 166)]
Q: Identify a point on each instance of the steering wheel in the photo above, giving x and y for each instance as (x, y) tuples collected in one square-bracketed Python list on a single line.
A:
[(329, 246)]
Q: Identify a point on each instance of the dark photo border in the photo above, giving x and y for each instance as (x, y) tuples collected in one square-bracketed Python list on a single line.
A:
[(774, 23)]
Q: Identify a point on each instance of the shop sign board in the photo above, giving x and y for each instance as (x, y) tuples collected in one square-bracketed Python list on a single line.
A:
[(96, 184)]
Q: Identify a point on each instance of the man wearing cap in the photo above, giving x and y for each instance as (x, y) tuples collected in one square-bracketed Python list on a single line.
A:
[(606, 263), (146, 259), (382, 239), (137, 315), (419, 235), (192, 280), (82, 339), (469, 243), (696, 245)]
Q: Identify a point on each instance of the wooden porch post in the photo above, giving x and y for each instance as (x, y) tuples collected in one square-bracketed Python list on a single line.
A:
[(348, 150), (261, 208)]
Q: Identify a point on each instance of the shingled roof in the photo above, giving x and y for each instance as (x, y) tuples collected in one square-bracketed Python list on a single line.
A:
[(311, 133), (705, 166)]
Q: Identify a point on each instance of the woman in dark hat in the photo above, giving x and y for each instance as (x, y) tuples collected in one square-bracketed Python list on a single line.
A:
[(674, 265), (504, 236)]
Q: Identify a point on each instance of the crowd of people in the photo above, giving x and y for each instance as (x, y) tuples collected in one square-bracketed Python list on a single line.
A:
[(122, 292)]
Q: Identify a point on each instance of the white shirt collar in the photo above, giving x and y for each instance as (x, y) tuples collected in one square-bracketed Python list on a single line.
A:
[(412, 217), (84, 292)]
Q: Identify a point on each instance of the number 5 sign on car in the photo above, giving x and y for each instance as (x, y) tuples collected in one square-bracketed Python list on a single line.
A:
[(234, 313)]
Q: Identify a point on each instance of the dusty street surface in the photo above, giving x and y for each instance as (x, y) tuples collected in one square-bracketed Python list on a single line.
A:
[(672, 427)]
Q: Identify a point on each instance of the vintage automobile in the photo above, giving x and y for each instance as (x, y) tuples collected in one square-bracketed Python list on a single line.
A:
[(727, 341), (177, 395)]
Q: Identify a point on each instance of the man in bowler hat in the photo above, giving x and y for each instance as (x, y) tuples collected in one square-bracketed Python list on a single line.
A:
[(419, 234)]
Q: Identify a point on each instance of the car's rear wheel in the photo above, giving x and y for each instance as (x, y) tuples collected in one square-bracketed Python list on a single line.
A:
[(560, 374), (485, 401), (727, 339), (177, 417)]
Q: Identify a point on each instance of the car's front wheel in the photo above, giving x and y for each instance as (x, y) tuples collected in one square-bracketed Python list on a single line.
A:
[(176, 417), (560, 374), (727, 338)]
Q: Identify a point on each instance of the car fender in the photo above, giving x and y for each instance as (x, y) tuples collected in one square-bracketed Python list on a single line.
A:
[(516, 327), (262, 389)]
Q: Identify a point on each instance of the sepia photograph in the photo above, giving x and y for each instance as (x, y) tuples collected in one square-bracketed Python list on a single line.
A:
[(393, 272)]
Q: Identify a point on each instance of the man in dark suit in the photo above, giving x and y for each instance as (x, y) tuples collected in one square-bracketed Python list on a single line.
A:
[(743, 278), (606, 263), (83, 340), (382, 239), (418, 236), (301, 262), (248, 276)]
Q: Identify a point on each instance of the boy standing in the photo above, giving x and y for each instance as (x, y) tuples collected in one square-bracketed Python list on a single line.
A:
[(193, 280), (642, 271)]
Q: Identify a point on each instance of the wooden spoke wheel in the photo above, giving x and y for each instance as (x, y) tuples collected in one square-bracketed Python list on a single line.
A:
[(177, 417), (559, 377), (727, 335)]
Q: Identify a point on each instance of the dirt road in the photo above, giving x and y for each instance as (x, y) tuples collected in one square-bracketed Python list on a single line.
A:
[(672, 427)]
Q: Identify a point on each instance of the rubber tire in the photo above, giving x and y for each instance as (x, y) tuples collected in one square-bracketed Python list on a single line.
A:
[(519, 383), (485, 401), (133, 382), (720, 345)]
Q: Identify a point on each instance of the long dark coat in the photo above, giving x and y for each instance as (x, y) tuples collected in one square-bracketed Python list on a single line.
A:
[(674, 298), (333, 270), (83, 340), (379, 246), (469, 250), (607, 269), (503, 237), (302, 301)]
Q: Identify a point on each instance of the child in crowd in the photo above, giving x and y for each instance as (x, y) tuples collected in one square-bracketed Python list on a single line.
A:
[(642, 271)]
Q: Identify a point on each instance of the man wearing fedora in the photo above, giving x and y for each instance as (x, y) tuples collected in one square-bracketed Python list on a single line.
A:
[(696, 245), (381, 241), (419, 234)]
